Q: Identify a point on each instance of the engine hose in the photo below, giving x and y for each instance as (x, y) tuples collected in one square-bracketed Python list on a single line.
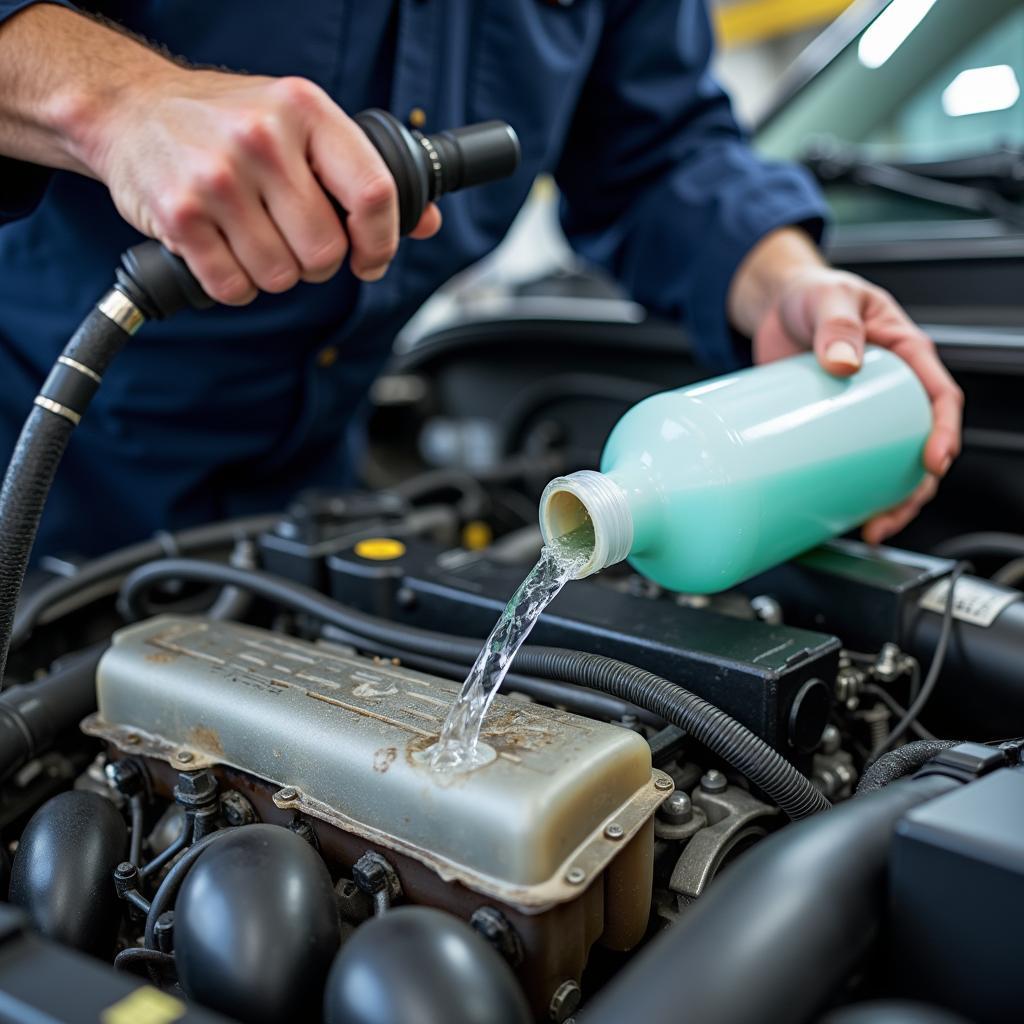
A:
[(899, 763), (34, 714), (167, 891), (779, 933), (709, 725), (58, 408), (38, 607), (764, 766)]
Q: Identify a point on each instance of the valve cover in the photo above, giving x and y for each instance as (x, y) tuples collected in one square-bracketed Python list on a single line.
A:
[(343, 738)]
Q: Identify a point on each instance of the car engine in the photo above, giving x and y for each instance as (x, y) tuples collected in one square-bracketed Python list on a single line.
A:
[(219, 784)]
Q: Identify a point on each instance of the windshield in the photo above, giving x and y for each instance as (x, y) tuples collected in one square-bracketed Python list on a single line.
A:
[(925, 80)]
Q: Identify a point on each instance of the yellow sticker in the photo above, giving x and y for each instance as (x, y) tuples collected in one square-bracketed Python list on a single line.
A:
[(380, 549), (145, 1005)]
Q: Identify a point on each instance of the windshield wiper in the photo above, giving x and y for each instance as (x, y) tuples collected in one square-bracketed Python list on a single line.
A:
[(978, 184)]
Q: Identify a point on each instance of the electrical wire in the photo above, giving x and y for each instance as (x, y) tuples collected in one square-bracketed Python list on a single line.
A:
[(167, 892), (897, 709), (934, 670)]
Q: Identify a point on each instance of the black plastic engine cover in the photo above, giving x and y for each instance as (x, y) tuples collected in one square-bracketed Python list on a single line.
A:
[(956, 881), (754, 671)]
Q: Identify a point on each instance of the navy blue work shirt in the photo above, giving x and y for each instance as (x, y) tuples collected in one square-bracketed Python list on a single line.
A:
[(231, 411)]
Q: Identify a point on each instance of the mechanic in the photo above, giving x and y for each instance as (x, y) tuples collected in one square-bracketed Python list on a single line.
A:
[(230, 411)]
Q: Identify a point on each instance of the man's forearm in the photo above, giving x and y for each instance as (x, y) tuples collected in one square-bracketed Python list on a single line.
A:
[(765, 273), (60, 73)]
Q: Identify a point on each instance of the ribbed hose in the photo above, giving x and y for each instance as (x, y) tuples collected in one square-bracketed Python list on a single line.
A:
[(765, 767), (27, 484), (901, 762), (64, 396), (719, 732)]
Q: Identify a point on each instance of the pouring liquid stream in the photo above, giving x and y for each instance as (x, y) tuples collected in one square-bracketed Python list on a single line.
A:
[(559, 562)]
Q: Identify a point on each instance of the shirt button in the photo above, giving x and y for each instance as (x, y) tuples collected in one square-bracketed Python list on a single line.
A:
[(417, 117), (327, 357)]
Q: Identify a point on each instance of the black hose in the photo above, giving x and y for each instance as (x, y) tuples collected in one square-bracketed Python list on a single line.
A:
[(37, 607), (899, 763), (62, 400), (780, 931), (720, 733), (131, 959), (979, 545), (167, 892), (138, 811), (765, 767), (33, 714)]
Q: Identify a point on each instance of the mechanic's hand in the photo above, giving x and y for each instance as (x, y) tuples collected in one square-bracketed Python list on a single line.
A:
[(229, 172), (835, 313)]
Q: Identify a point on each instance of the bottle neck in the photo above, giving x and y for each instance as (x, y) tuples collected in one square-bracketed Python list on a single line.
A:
[(572, 501)]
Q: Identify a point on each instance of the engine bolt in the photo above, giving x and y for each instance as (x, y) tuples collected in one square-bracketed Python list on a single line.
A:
[(663, 782), (494, 927), (575, 876), (677, 809), (614, 831), (287, 793), (713, 781), (237, 809), (564, 1002), (183, 756)]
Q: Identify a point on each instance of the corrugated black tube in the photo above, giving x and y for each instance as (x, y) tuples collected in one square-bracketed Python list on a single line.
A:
[(764, 766)]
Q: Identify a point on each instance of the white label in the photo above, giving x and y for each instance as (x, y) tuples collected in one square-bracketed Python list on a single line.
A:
[(976, 601)]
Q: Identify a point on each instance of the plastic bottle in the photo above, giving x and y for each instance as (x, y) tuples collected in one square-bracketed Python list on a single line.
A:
[(703, 487)]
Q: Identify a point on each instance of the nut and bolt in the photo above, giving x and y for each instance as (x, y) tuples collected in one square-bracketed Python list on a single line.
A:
[(830, 740), (125, 776), (163, 931), (287, 793), (132, 739), (767, 609), (663, 782), (492, 924), (575, 876), (196, 789), (564, 1002), (184, 756), (236, 808), (890, 663), (614, 831), (713, 781), (677, 809)]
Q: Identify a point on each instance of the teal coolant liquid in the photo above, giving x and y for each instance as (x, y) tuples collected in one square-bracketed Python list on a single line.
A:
[(703, 487)]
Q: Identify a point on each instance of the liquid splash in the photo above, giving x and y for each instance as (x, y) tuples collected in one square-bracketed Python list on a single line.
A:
[(560, 561)]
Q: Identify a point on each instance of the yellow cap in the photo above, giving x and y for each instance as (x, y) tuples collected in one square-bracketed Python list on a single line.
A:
[(380, 549)]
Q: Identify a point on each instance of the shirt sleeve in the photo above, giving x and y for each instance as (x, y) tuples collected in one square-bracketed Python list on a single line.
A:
[(659, 184), (22, 185)]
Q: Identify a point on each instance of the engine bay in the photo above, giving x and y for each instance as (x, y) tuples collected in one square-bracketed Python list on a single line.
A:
[(265, 689)]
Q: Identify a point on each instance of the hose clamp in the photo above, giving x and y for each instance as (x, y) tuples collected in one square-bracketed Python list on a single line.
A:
[(57, 409), (117, 307)]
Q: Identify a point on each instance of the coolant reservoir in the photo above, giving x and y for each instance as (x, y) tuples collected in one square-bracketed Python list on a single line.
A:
[(703, 487)]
